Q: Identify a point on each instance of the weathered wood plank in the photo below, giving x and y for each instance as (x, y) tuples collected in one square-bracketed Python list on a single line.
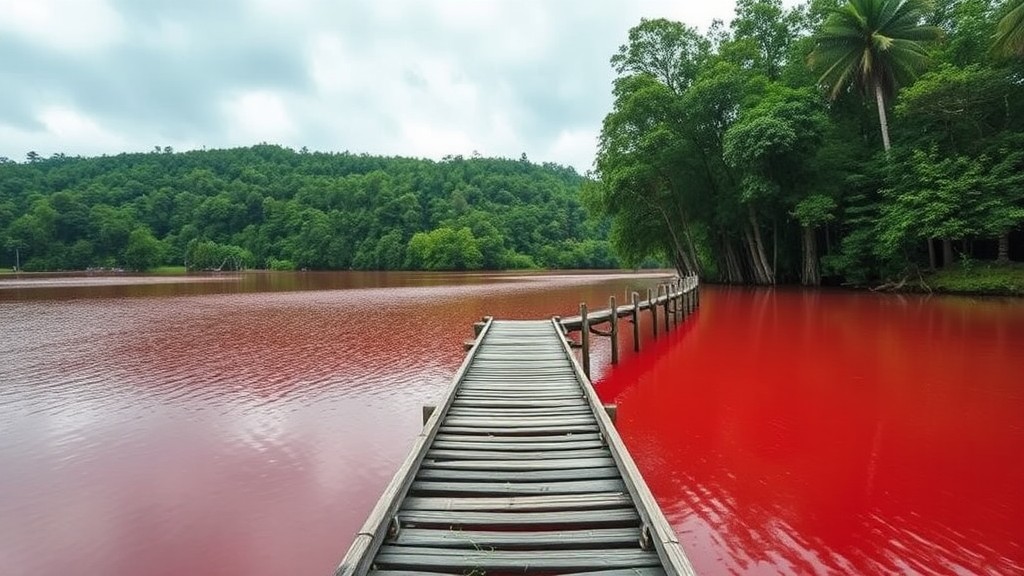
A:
[(594, 501), (517, 402), (613, 517), (528, 447), (519, 476), (391, 556), (478, 454), (586, 437), (505, 540), (540, 431), (518, 412), (515, 465), (622, 572), (484, 488), (490, 422)]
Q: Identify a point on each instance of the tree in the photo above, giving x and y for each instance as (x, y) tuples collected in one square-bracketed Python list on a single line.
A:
[(1009, 38), (876, 45), (143, 251)]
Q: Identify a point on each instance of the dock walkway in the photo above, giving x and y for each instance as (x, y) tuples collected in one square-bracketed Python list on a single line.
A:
[(520, 470)]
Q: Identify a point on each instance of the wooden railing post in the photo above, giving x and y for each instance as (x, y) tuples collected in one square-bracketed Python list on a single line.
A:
[(585, 338), (635, 298), (666, 307), (653, 307), (679, 303), (615, 330)]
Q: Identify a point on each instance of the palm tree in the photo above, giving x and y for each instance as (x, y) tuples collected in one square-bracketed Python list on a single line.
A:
[(1010, 31), (874, 44)]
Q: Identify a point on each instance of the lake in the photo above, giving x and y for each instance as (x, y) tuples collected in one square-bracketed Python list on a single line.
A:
[(247, 424)]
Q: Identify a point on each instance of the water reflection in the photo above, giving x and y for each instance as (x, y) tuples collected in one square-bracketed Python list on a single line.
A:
[(234, 425), (831, 432)]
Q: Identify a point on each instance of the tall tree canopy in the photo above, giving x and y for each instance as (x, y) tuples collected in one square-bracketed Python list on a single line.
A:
[(271, 207), (876, 45), (749, 154)]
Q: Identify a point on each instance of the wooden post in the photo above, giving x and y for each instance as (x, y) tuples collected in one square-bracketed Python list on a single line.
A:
[(666, 308), (585, 338), (478, 328), (636, 321), (428, 411), (612, 410), (678, 302), (615, 330), (654, 313)]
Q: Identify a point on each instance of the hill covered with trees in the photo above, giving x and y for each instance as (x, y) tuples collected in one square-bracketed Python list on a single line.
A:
[(268, 206), (863, 140)]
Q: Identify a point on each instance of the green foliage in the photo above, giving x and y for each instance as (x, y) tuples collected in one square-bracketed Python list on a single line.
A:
[(143, 251), (723, 155), (980, 278), (873, 43), (1009, 38), (270, 206)]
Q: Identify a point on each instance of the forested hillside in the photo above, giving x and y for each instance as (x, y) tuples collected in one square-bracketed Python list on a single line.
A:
[(865, 141), (272, 207)]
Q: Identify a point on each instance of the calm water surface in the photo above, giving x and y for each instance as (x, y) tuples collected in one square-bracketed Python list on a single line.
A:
[(835, 433), (227, 425), (246, 425)]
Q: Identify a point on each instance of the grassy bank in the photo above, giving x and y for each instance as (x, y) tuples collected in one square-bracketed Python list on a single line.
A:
[(168, 271), (978, 278)]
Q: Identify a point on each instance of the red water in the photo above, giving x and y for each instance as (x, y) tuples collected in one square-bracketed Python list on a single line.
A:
[(246, 425), (232, 425), (831, 432)]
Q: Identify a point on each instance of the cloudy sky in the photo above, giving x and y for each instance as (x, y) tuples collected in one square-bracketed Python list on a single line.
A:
[(421, 78)]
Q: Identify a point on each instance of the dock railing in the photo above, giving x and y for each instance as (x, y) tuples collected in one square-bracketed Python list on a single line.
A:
[(676, 300)]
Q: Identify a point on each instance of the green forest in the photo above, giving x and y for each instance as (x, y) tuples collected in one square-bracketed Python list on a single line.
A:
[(855, 142), (270, 207), (845, 142)]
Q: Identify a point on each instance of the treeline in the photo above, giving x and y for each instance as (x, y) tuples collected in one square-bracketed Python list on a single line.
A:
[(272, 207), (860, 140)]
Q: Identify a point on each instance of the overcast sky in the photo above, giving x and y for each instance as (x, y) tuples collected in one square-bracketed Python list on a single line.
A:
[(420, 78)]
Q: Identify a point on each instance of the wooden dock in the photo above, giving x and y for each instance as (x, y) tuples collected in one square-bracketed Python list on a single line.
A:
[(519, 470)]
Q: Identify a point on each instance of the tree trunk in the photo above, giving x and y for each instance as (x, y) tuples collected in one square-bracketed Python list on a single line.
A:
[(882, 119), (759, 254), (811, 276), (733, 272), (693, 248), (1003, 256), (931, 254), (947, 252)]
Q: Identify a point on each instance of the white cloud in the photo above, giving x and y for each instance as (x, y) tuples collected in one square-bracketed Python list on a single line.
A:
[(260, 116), (71, 26), (404, 77)]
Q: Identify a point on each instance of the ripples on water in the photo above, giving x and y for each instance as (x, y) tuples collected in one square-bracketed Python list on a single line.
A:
[(232, 426), (832, 432)]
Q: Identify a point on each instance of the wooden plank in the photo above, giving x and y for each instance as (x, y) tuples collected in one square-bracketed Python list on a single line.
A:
[(513, 465), (484, 488), (525, 440), (549, 475), (476, 454), (517, 412), (518, 402), (516, 446), (413, 557), (505, 540), (649, 571), (490, 422), (561, 519), (539, 431), (593, 501)]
